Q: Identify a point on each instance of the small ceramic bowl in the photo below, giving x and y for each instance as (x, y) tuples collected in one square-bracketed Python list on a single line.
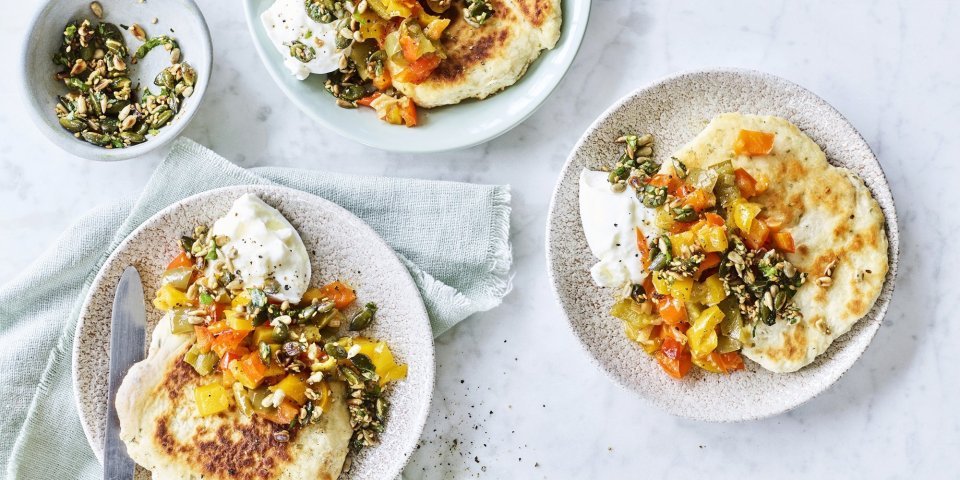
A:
[(450, 127), (180, 19)]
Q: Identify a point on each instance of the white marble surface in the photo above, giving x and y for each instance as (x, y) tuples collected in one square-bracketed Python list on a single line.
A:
[(515, 396)]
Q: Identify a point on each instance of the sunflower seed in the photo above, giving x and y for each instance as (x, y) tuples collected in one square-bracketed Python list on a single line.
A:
[(137, 31), (97, 9)]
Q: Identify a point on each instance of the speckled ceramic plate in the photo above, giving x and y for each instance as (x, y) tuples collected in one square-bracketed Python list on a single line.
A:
[(465, 124), (341, 246), (675, 110)]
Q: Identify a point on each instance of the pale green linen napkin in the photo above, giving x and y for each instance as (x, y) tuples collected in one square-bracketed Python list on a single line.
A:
[(453, 237)]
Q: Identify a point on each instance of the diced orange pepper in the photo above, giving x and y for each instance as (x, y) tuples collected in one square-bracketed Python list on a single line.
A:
[(383, 81), (284, 414), (217, 328), (710, 260), (340, 293), (714, 219), (699, 200), (410, 47), (643, 248), (674, 358), (671, 309), (784, 242), (750, 142), (231, 356), (666, 180), (649, 289), (745, 182), (419, 70), (182, 260), (204, 338), (228, 341), (366, 101), (757, 237), (728, 362), (216, 311), (252, 366), (680, 227), (408, 110)]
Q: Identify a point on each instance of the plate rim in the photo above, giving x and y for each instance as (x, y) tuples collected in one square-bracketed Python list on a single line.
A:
[(409, 444), (578, 30), (891, 223)]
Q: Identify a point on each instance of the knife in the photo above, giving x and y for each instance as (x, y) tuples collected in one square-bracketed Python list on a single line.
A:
[(127, 331)]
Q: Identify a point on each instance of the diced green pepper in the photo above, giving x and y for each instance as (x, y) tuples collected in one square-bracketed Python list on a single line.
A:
[(178, 277), (203, 363), (178, 321)]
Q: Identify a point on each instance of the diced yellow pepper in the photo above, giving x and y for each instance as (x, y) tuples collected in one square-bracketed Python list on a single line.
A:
[(265, 334), (238, 321), (435, 28), (634, 313), (663, 219), (227, 378), (211, 399), (371, 25), (707, 363), (681, 240), (169, 298), (324, 388), (388, 9), (293, 387), (675, 286), (709, 292), (398, 372), (312, 293), (744, 212), (240, 376), (643, 335), (712, 238), (702, 334), (382, 358), (241, 300)]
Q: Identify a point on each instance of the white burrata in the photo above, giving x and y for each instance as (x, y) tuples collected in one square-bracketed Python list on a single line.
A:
[(262, 244), (609, 219), (286, 21)]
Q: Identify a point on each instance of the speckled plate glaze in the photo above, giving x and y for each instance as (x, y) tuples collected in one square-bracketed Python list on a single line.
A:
[(675, 110), (341, 246)]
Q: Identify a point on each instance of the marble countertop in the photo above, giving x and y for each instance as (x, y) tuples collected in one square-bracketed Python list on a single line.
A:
[(515, 396)]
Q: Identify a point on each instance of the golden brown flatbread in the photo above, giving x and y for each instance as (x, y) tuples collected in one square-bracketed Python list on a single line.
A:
[(836, 225), (483, 60), (164, 434)]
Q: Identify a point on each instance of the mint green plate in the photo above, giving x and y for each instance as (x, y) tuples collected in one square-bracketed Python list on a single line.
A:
[(445, 128)]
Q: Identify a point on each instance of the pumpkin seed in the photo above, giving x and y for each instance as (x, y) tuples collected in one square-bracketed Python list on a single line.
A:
[(95, 138), (132, 138), (363, 318), (335, 350), (72, 124), (162, 118)]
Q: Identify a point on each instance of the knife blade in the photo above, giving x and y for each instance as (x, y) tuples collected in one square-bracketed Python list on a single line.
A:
[(127, 331)]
